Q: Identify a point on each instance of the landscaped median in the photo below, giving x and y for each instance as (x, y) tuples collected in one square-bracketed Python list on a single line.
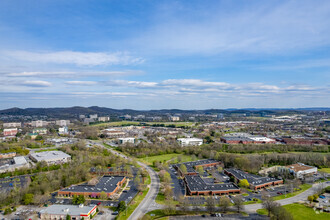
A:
[(134, 203), (300, 212)]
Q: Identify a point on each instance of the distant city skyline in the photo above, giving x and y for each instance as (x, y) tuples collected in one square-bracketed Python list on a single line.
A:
[(164, 54)]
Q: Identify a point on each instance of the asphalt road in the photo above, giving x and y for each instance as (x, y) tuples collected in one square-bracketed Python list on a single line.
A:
[(300, 197), (148, 203)]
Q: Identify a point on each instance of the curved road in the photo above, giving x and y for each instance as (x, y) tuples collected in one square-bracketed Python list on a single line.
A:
[(300, 197), (148, 203)]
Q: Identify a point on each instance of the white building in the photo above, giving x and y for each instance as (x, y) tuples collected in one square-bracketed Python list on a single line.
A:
[(299, 170), (12, 125), (39, 123), (93, 116), (104, 119), (126, 140), (190, 141), (51, 157), (63, 123), (77, 212), (17, 163), (63, 130), (262, 139), (174, 118)]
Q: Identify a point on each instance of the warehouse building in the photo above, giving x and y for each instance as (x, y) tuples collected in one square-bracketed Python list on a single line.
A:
[(51, 157), (108, 184)]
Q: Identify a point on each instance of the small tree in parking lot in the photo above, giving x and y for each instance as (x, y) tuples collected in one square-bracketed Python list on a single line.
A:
[(224, 203), (238, 203), (210, 204)]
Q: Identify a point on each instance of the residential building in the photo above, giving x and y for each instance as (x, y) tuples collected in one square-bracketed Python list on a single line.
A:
[(63, 123), (77, 212), (108, 184), (10, 131), (300, 170), (12, 125), (51, 157), (190, 141)]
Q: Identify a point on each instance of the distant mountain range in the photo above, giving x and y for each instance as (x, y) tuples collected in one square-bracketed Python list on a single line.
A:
[(77, 110)]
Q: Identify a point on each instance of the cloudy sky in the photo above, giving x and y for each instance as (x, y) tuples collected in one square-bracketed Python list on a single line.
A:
[(164, 54)]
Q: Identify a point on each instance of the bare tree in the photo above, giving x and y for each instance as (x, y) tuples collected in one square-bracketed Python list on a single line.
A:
[(210, 204), (224, 203), (238, 203)]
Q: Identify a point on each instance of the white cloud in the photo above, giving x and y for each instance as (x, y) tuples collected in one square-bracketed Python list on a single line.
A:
[(73, 57), (68, 74), (36, 83), (258, 28), (81, 83), (137, 84)]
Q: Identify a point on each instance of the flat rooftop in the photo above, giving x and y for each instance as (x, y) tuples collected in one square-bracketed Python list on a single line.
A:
[(299, 167), (192, 164), (251, 178), (50, 155), (73, 210), (106, 183), (196, 183)]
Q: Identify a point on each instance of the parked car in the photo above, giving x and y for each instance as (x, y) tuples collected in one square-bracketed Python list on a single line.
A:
[(322, 196)]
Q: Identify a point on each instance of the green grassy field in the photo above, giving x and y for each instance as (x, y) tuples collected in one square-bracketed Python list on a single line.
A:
[(300, 212), (326, 170), (165, 157), (303, 188)]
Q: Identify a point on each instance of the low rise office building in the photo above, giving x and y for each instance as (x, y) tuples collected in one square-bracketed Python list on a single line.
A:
[(107, 184), (300, 170), (51, 157), (195, 185), (77, 212), (256, 182), (190, 141)]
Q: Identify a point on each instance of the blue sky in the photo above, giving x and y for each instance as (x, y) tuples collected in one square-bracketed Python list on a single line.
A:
[(164, 54)]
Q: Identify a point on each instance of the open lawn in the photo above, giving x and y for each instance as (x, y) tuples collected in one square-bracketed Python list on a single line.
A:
[(165, 157), (303, 188), (326, 170), (300, 212)]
